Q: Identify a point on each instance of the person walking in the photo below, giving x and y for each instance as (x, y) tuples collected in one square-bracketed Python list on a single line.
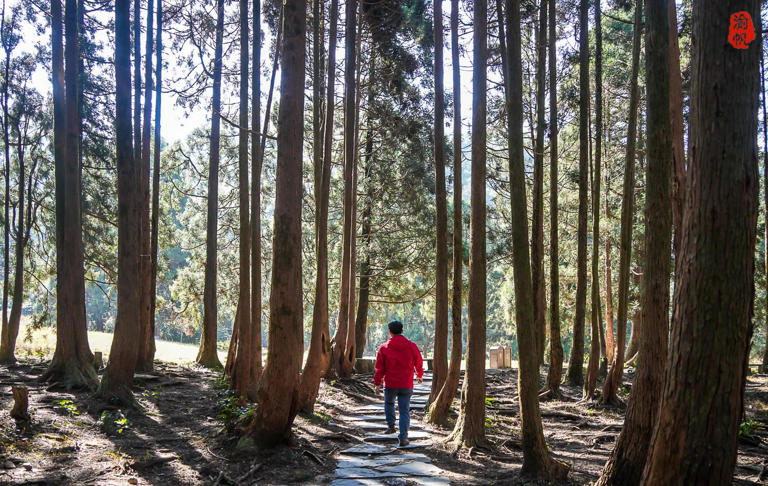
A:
[(396, 362)]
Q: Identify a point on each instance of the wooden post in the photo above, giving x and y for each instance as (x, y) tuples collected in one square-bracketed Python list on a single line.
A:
[(495, 362)]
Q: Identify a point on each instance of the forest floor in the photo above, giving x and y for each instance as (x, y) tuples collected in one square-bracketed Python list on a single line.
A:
[(186, 434)]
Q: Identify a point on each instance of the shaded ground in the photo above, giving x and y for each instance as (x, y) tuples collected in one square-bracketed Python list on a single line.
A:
[(184, 437)]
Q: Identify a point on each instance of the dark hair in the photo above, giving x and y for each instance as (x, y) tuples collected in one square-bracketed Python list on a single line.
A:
[(396, 327)]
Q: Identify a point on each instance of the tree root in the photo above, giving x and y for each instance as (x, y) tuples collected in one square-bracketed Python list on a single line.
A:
[(71, 375), (548, 394)]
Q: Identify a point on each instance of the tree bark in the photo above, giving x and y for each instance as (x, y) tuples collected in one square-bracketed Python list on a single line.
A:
[(610, 344), (317, 114), (234, 339), (278, 387), (11, 330), (616, 371), (696, 437), (146, 356), (575, 374), (537, 461), (603, 350), (596, 325), (256, 200), (349, 362), (537, 226), (7, 175), (631, 450), (118, 376), (319, 356), (555, 372), (678, 130), (438, 410), (470, 426), (634, 334), (440, 351), (155, 217), (20, 410), (361, 320), (136, 39), (72, 360), (764, 365), (258, 142), (207, 355), (341, 348), (241, 374)]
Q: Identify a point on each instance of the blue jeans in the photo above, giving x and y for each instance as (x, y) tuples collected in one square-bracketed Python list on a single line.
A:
[(403, 396)]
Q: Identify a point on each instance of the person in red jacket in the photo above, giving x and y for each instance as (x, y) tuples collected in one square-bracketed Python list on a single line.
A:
[(395, 364)]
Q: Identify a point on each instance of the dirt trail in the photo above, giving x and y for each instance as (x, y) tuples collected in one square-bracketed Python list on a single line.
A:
[(187, 434)]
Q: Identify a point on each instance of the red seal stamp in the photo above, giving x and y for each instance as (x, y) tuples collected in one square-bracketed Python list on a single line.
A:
[(742, 30)]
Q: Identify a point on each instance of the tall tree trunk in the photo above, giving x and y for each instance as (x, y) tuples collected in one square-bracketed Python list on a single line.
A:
[(256, 199), (595, 318), (241, 374), (603, 350), (11, 332), (317, 114), (610, 344), (616, 372), (278, 387), (118, 376), (575, 375), (7, 153), (629, 455), (257, 151), (634, 332), (696, 436), (6, 348), (440, 351), (256, 233), (319, 356), (470, 426), (555, 372), (349, 361), (317, 100), (764, 366), (72, 363), (537, 461), (361, 320), (537, 226), (147, 330), (678, 130), (438, 410), (155, 217), (340, 343), (207, 355), (137, 82)]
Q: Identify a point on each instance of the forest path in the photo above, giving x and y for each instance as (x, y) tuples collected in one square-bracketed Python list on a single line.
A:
[(372, 464)]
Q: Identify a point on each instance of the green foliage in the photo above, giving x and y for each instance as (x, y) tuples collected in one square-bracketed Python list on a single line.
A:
[(67, 406), (747, 428), (320, 418), (230, 412), (114, 422)]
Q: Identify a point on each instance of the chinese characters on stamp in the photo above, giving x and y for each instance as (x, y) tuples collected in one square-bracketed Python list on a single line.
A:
[(742, 30)]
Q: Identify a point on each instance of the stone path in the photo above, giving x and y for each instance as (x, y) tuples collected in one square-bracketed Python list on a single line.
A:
[(379, 461)]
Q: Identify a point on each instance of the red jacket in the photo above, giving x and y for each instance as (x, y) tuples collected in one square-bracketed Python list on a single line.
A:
[(396, 361)]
